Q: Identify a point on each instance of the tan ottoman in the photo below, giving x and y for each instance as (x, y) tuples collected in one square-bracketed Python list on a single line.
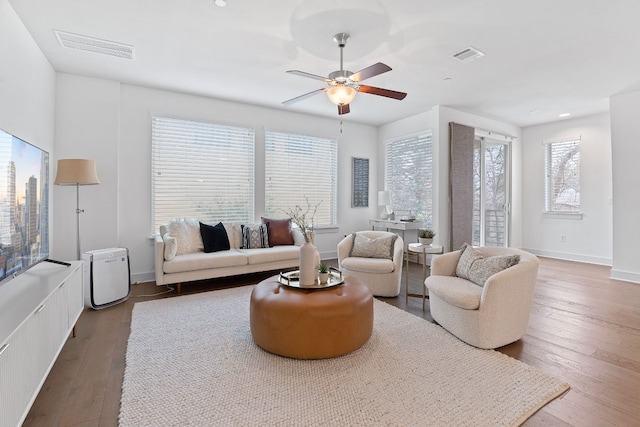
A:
[(311, 324)]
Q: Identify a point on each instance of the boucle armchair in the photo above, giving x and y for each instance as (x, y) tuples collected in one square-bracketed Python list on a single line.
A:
[(488, 316), (381, 272)]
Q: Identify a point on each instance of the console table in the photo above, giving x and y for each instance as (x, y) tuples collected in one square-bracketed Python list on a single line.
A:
[(38, 311), (392, 224)]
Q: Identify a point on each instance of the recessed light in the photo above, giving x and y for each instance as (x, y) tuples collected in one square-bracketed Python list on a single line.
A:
[(220, 3), (564, 115)]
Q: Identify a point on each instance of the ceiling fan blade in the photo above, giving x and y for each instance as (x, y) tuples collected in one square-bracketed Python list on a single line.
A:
[(305, 96), (308, 75), (373, 70), (382, 92), (343, 109)]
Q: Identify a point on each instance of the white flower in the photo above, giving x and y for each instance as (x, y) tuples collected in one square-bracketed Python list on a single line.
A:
[(304, 219)]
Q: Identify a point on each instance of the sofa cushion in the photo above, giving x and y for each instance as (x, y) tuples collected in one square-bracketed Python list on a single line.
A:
[(365, 247), (455, 291), (368, 265), (170, 246), (203, 261), (473, 266), (279, 231), (214, 237), (275, 254), (187, 234), (255, 236), (298, 237)]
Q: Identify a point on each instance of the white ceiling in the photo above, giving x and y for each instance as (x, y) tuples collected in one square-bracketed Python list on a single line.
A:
[(543, 57)]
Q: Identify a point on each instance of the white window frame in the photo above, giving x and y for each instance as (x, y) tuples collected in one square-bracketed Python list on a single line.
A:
[(300, 167), (201, 170), (403, 199), (481, 145), (552, 149)]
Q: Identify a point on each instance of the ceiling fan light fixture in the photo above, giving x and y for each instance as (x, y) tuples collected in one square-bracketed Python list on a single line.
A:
[(341, 95)]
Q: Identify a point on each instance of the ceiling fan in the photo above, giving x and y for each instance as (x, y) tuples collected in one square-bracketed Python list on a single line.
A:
[(343, 84)]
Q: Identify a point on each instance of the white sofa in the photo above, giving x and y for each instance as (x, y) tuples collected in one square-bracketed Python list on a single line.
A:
[(198, 265)]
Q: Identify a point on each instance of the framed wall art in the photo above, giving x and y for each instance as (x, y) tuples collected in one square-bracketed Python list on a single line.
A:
[(360, 182)]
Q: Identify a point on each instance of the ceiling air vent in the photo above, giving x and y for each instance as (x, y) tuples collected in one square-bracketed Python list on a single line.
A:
[(91, 44), (468, 54)]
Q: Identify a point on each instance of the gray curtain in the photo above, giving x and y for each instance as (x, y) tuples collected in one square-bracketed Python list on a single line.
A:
[(461, 183)]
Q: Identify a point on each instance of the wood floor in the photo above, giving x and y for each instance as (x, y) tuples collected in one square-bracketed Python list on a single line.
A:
[(584, 329)]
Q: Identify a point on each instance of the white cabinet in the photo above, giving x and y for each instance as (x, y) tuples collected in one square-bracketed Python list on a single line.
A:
[(38, 310)]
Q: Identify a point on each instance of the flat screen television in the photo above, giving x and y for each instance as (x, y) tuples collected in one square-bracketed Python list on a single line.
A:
[(24, 206)]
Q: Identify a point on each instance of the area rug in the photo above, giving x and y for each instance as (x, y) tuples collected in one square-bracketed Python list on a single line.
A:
[(191, 361)]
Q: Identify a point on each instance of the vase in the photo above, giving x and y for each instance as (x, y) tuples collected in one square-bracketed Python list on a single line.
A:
[(425, 241), (308, 265), (324, 278)]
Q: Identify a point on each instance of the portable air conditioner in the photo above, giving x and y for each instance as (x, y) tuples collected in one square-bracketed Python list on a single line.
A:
[(107, 277)]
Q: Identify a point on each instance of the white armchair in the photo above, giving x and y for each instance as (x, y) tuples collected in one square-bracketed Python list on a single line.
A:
[(488, 316), (383, 276)]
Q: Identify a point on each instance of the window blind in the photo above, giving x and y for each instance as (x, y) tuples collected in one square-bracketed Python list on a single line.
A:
[(299, 167), (408, 176), (201, 170), (562, 176)]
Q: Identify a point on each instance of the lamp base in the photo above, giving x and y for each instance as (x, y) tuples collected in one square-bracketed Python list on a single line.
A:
[(386, 213)]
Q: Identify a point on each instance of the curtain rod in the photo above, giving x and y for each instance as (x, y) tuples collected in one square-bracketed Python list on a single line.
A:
[(490, 132)]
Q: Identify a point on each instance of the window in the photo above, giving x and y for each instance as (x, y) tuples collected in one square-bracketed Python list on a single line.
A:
[(562, 176), (408, 176), (299, 167), (201, 170)]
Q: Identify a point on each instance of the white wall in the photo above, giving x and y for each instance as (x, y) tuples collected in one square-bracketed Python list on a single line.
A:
[(625, 147), (118, 210), (588, 239), (27, 86), (87, 119), (437, 120)]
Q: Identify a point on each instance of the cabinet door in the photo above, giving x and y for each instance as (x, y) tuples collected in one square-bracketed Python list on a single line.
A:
[(22, 365), (75, 296)]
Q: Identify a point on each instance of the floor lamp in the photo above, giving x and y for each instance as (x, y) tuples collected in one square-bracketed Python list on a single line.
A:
[(77, 172)]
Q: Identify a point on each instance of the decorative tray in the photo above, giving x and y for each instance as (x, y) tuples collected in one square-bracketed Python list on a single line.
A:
[(292, 280)]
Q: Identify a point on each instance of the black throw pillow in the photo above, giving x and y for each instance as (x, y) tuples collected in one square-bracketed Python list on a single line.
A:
[(214, 237)]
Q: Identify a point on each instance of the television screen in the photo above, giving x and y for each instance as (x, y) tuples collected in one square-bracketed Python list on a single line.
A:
[(24, 206)]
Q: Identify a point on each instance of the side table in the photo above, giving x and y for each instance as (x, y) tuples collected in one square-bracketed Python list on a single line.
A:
[(425, 250)]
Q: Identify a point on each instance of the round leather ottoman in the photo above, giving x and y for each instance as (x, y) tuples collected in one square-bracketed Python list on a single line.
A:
[(311, 324)]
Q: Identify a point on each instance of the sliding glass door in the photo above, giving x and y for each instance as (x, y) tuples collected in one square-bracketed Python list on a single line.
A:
[(491, 194)]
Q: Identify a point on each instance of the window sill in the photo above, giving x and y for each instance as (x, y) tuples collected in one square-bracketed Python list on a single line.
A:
[(563, 215), (326, 230)]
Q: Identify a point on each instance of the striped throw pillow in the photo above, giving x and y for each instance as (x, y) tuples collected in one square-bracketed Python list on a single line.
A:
[(255, 236)]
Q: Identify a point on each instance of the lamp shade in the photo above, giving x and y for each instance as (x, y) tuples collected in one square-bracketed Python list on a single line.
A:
[(76, 171), (341, 95), (384, 198)]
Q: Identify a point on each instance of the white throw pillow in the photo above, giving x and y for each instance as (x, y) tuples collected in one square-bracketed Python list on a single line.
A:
[(473, 266), (170, 247), (187, 234), (365, 247)]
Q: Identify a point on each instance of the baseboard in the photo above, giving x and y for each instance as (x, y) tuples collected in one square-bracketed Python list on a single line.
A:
[(571, 257), (329, 255), (626, 276), (143, 277)]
